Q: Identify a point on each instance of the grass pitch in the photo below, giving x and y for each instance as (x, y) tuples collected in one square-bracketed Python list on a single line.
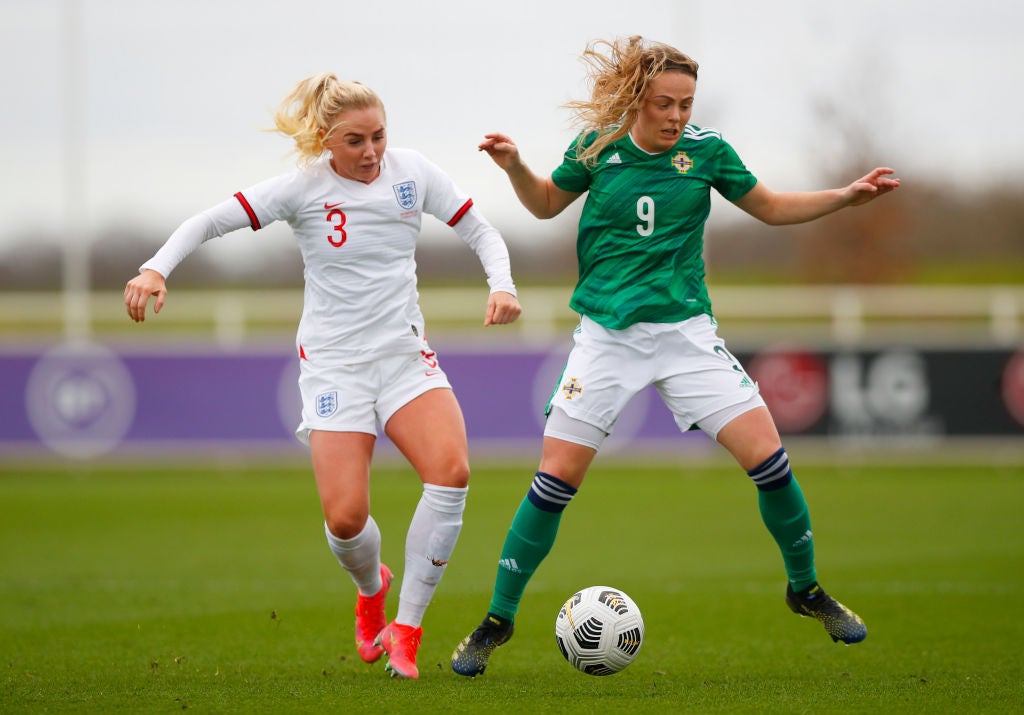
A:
[(154, 589)]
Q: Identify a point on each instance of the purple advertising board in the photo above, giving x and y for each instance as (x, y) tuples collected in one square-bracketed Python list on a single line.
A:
[(90, 400)]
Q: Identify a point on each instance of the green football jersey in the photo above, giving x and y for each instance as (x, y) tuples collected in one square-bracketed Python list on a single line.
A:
[(641, 233)]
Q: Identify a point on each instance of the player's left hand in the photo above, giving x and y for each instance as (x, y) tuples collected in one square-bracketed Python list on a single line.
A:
[(871, 186), (502, 308), (138, 291)]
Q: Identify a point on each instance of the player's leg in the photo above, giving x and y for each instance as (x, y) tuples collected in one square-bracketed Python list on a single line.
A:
[(341, 465), (529, 540), (535, 524), (703, 384), (753, 440), (603, 372), (430, 432)]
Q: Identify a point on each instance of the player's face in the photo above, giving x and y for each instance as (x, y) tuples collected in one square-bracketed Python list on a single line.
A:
[(665, 112), (357, 143)]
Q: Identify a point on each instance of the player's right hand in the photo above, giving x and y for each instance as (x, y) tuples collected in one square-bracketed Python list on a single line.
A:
[(501, 148), (138, 291)]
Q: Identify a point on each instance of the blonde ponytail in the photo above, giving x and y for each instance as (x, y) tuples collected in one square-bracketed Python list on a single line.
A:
[(308, 114)]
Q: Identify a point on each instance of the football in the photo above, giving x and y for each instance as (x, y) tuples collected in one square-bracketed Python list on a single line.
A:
[(599, 630)]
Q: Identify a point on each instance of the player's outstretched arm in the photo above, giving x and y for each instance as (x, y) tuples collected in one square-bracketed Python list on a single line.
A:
[(138, 291), (538, 194), (789, 207)]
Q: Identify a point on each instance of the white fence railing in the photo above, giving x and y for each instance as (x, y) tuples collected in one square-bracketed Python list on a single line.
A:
[(837, 314)]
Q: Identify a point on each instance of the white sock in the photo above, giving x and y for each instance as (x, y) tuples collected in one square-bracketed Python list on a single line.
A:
[(360, 556), (429, 544)]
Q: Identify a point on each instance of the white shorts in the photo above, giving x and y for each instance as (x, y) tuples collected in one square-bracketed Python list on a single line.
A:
[(697, 378), (359, 397)]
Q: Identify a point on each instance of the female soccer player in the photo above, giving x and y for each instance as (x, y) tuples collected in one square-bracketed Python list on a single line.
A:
[(355, 207), (645, 313)]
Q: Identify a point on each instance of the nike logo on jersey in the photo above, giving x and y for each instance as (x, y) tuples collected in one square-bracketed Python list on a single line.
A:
[(328, 206)]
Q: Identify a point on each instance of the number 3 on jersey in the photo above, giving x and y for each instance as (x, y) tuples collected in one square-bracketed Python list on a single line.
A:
[(336, 217), (645, 212)]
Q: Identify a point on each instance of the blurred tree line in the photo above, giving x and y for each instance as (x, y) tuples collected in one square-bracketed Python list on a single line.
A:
[(931, 230), (918, 234), (924, 232)]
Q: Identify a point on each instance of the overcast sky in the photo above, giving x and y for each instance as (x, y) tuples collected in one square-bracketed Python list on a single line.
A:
[(172, 96)]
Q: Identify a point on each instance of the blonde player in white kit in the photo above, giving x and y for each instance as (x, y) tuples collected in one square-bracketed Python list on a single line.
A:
[(355, 207)]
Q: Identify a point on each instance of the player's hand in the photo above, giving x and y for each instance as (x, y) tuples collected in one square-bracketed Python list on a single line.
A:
[(501, 149), (138, 292), (502, 308), (871, 186)]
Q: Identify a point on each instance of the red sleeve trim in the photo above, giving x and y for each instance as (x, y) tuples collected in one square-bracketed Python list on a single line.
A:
[(253, 221), (461, 212)]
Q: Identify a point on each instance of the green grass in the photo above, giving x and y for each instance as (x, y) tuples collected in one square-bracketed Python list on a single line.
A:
[(211, 589)]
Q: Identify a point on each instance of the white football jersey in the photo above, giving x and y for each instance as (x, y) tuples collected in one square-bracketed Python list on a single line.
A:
[(358, 244)]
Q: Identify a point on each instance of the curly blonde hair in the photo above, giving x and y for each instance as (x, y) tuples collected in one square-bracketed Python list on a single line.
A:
[(308, 114), (620, 76)]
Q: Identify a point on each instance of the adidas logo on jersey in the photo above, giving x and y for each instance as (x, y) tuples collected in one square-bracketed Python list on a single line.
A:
[(700, 133), (614, 159)]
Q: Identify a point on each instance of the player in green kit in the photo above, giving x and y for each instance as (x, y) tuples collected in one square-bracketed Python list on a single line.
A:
[(645, 316), (640, 233)]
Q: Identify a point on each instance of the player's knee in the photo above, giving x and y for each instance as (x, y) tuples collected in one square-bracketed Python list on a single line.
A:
[(345, 523), (450, 471), (458, 474)]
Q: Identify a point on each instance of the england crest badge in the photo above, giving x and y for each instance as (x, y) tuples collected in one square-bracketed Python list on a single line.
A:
[(406, 194), (327, 403)]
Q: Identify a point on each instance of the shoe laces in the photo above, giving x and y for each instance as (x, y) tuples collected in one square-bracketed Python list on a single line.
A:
[(820, 601), (368, 605), (408, 637), (834, 609), (489, 633)]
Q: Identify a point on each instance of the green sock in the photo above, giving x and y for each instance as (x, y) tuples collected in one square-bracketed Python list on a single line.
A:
[(785, 513), (529, 540)]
